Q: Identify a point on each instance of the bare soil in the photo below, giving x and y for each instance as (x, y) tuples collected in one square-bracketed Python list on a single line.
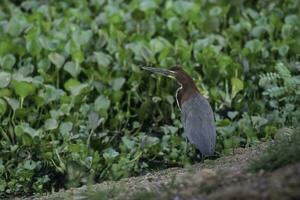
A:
[(223, 178)]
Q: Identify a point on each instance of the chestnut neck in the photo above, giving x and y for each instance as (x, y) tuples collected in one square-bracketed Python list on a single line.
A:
[(188, 89)]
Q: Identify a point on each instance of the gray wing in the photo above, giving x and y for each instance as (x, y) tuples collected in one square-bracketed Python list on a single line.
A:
[(199, 124)]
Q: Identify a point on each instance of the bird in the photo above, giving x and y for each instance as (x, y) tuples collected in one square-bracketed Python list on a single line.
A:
[(196, 113)]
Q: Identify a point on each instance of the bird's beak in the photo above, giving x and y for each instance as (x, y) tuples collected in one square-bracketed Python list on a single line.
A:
[(164, 72)]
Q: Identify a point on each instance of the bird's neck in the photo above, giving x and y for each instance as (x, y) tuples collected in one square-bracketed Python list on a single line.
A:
[(187, 91), (189, 87)]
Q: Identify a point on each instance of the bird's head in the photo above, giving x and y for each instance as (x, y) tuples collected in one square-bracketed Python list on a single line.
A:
[(175, 72)]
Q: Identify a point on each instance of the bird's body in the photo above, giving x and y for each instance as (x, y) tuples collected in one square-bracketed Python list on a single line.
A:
[(198, 123), (196, 113)]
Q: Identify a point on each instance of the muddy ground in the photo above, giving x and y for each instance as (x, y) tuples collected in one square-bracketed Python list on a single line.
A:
[(223, 178)]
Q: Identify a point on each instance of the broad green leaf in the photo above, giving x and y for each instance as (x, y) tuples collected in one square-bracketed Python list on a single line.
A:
[(237, 85), (102, 103), (81, 37), (102, 59), (43, 65), (173, 24), (148, 5), (16, 25), (156, 45), (93, 121), (78, 56), (33, 45), (23, 88), (3, 107), (13, 103), (30, 165), (254, 46), (102, 38), (117, 83), (232, 115), (26, 133), (128, 143), (149, 141), (215, 11), (65, 128), (57, 59), (50, 124), (8, 61), (183, 7), (26, 70), (283, 50), (110, 154), (72, 68), (4, 79), (71, 84)]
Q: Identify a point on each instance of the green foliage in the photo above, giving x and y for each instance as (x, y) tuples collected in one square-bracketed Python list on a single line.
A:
[(281, 92), (72, 94), (284, 150)]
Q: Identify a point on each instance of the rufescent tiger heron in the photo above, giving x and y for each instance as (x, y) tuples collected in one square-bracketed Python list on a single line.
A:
[(196, 113)]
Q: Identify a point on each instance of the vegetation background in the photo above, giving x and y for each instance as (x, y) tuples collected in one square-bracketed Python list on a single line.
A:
[(75, 106)]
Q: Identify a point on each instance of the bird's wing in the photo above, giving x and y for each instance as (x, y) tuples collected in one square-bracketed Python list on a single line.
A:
[(199, 125)]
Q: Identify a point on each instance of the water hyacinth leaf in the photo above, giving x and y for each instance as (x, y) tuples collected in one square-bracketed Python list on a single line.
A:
[(110, 154), (94, 120), (33, 45), (3, 107), (72, 68), (13, 103), (102, 59), (22, 113), (156, 45), (23, 88), (48, 43), (25, 133), (148, 141), (8, 61), (254, 46), (82, 37), (78, 56), (5, 92), (215, 11), (80, 89), (237, 85), (102, 38), (4, 79), (173, 24), (141, 51), (16, 25), (169, 129), (57, 59), (102, 103), (43, 65), (183, 7), (128, 143), (232, 115), (71, 84), (283, 50), (50, 93), (50, 124), (65, 128), (117, 83), (30, 165), (258, 121), (148, 5)]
